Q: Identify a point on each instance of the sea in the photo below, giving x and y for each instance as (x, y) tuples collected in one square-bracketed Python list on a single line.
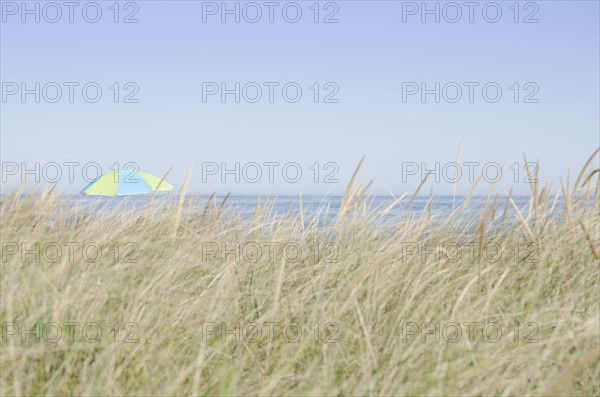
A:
[(322, 208)]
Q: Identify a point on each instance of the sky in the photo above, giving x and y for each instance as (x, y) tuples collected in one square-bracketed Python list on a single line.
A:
[(286, 97)]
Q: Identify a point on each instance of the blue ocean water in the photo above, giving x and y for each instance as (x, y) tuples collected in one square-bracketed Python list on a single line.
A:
[(322, 207)]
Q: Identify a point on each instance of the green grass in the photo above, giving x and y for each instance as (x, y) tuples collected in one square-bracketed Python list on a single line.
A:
[(365, 292)]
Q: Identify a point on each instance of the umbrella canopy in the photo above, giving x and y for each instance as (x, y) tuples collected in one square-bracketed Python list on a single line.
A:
[(124, 182)]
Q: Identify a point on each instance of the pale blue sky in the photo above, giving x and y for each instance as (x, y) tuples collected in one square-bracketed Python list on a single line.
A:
[(368, 54)]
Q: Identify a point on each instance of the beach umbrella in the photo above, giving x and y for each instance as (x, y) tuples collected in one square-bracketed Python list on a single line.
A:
[(125, 182)]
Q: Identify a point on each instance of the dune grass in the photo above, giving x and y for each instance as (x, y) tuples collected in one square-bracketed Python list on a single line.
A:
[(366, 297)]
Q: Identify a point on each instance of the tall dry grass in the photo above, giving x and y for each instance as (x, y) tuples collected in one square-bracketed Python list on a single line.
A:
[(365, 291)]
